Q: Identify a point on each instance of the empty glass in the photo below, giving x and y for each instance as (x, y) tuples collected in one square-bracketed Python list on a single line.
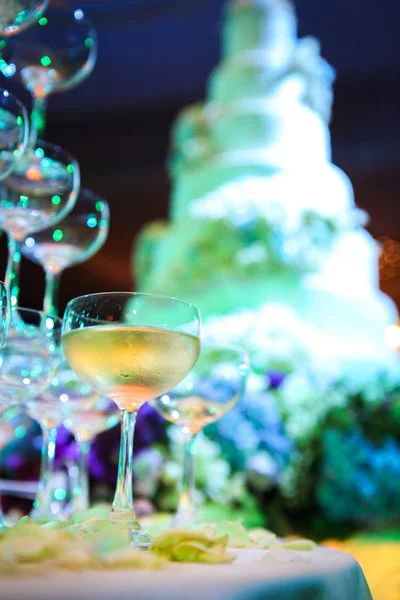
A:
[(54, 55), (75, 239), (40, 191), (29, 358), (207, 393), (71, 402), (85, 423)]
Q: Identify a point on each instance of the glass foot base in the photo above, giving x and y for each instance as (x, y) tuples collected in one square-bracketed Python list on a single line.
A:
[(141, 540)]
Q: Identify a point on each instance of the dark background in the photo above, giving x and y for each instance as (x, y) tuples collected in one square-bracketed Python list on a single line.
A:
[(155, 57)]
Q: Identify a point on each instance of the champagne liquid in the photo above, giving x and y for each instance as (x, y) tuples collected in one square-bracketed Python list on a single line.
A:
[(53, 256), (130, 364), (193, 412)]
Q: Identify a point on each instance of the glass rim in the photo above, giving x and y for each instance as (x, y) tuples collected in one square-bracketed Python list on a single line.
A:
[(67, 10), (148, 294), (56, 147), (37, 312), (217, 343), (86, 190), (23, 113), (87, 193), (64, 7)]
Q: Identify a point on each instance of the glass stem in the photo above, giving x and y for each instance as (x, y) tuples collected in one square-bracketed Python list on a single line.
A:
[(44, 496), (122, 509), (38, 120), (12, 272), (51, 293), (185, 514), (80, 489)]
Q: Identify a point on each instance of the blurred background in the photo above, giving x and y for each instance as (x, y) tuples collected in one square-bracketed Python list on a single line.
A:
[(154, 58)]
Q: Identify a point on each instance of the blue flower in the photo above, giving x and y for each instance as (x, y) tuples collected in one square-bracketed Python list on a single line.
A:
[(275, 379), (253, 425), (359, 482)]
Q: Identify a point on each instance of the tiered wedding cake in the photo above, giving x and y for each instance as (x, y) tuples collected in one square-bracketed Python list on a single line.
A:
[(259, 214)]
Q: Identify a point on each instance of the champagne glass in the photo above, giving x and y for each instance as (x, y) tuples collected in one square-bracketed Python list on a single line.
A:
[(14, 130), (40, 191), (130, 348), (28, 360), (84, 413), (75, 239), (16, 15), (85, 423), (209, 391), (54, 55), (30, 356)]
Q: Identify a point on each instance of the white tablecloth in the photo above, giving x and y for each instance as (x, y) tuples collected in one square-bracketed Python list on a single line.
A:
[(328, 575)]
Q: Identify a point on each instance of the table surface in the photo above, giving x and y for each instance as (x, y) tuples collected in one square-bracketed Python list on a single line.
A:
[(318, 575)]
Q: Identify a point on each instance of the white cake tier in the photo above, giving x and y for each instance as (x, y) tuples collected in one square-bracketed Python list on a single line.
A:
[(352, 265), (250, 75), (266, 24), (288, 136), (351, 329), (323, 187)]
